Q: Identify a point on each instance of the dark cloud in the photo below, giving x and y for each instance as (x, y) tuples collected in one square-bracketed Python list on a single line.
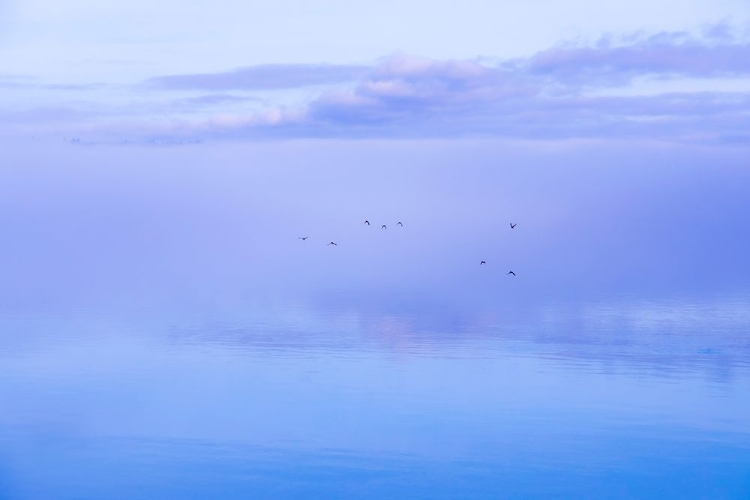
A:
[(262, 77)]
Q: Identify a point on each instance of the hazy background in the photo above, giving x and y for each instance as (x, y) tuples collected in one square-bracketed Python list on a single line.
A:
[(166, 335), (120, 226)]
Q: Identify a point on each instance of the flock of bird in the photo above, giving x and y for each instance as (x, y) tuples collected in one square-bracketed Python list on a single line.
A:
[(367, 222)]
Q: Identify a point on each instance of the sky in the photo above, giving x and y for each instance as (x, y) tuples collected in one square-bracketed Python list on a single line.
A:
[(132, 72), (301, 92)]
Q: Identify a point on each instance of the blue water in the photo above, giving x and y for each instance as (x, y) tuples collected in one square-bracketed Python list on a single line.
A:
[(164, 334)]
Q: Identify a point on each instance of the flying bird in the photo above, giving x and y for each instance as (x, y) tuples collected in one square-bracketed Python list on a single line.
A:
[(513, 226), (511, 272), (303, 238), (383, 227), (332, 243), (400, 224), (483, 262), (367, 222)]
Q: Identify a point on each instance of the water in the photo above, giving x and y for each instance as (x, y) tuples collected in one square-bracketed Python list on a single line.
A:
[(165, 335)]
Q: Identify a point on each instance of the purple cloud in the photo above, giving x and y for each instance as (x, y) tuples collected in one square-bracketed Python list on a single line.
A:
[(405, 88), (707, 117), (28, 83), (207, 100), (598, 65), (262, 77), (546, 96)]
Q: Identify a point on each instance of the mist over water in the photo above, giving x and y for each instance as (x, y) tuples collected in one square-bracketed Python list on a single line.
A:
[(165, 334)]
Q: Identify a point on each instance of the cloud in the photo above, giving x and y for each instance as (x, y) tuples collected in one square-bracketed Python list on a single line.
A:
[(46, 115), (262, 77), (206, 100), (707, 117), (12, 77), (28, 83), (545, 96), (657, 55), (217, 98), (406, 88)]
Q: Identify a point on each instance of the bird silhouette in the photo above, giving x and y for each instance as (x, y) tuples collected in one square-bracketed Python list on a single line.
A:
[(383, 227), (332, 243), (513, 226), (400, 224), (367, 222), (303, 238), (482, 263), (511, 272)]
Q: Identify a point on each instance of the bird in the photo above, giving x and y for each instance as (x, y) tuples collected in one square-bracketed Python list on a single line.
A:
[(511, 272), (513, 226), (332, 243), (303, 238), (383, 227), (400, 224), (483, 262), (367, 222)]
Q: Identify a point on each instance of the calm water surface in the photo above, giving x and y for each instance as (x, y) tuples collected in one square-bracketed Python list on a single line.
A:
[(165, 335)]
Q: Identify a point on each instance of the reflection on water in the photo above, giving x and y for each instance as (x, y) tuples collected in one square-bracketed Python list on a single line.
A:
[(174, 356), (620, 402)]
